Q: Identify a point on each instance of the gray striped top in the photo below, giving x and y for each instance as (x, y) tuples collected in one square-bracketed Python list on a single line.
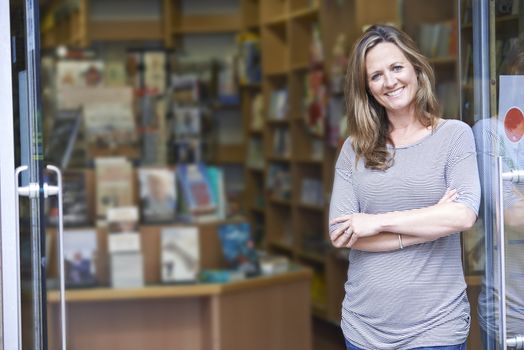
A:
[(416, 296)]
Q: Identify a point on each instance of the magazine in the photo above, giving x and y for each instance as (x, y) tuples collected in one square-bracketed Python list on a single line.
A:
[(238, 247), (80, 248), (180, 254), (114, 184), (196, 189), (158, 196)]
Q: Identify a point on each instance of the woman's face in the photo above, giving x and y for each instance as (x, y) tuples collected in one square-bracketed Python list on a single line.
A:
[(391, 78)]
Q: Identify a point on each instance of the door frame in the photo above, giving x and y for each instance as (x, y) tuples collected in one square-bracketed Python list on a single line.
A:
[(9, 268)]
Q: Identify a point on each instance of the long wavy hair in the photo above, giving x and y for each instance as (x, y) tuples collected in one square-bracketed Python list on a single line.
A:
[(368, 125)]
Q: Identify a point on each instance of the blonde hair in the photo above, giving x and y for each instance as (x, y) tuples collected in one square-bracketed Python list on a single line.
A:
[(367, 120)]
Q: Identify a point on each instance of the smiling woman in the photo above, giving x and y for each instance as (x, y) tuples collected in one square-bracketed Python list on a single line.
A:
[(406, 183)]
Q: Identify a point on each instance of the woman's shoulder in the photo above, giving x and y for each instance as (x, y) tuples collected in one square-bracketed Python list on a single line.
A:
[(454, 124)]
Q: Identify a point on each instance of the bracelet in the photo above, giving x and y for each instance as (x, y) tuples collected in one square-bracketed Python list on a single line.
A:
[(400, 242)]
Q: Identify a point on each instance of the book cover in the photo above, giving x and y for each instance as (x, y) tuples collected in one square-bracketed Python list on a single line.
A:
[(257, 113), (155, 72), (187, 122), (180, 254), (238, 247), (122, 219), (185, 88), (80, 248), (187, 151), (127, 270), (158, 195), (278, 104), (79, 73), (195, 188), (114, 184), (110, 124)]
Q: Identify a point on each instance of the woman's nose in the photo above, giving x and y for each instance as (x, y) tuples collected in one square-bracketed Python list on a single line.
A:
[(389, 80)]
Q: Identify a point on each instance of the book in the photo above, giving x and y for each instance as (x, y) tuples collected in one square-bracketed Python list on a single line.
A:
[(238, 247), (257, 113), (255, 154), (114, 184), (75, 199), (278, 104), (158, 195), (187, 122), (155, 72), (122, 219), (195, 188), (76, 97), (186, 88), (249, 58), (312, 192), (281, 142), (80, 249), (109, 124), (278, 181), (315, 100), (78, 73), (217, 182), (180, 254), (187, 151), (227, 82), (127, 270)]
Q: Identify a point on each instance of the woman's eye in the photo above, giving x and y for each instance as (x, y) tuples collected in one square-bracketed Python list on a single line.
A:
[(375, 77), (397, 68)]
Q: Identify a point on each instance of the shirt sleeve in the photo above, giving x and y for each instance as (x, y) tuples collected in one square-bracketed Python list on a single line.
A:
[(343, 198), (462, 169)]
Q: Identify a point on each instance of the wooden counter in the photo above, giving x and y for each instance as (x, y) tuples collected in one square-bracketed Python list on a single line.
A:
[(267, 312)]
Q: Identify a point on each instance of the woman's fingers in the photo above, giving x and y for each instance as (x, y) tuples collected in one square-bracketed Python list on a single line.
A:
[(340, 231), (340, 219), (343, 239)]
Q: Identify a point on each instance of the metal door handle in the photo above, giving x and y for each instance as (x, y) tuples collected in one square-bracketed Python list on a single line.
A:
[(52, 191), (516, 342), (515, 176), (32, 190)]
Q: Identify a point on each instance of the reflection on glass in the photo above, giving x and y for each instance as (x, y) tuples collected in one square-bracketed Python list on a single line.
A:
[(500, 134)]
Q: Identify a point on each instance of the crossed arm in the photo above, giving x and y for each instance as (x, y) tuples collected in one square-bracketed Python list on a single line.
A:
[(379, 232)]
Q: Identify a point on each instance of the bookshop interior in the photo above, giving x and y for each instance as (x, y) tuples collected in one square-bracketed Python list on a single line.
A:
[(197, 141)]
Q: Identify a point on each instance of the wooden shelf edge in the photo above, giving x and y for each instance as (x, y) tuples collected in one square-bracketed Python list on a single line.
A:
[(114, 30), (305, 13), (216, 23), (180, 291)]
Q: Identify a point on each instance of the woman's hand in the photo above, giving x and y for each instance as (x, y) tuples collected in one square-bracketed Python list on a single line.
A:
[(352, 227)]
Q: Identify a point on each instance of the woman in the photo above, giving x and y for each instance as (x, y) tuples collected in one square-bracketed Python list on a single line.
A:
[(406, 182)]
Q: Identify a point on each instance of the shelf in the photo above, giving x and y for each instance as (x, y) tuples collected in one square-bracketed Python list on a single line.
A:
[(257, 209), (258, 132), (277, 121), (279, 159), (286, 247), (117, 30), (279, 201), (309, 161), (275, 22), (253, 86), (307, 206), (231, 154), (306, 14), (312, 257), (299, 66), (276, 73), (196, 24), (443, 60), (256, 170)]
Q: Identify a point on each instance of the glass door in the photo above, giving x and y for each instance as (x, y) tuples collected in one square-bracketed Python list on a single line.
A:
[(492, 102), (23, 190)]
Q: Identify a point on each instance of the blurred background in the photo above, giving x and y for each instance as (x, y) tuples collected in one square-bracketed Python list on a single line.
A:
[(197, 141)]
